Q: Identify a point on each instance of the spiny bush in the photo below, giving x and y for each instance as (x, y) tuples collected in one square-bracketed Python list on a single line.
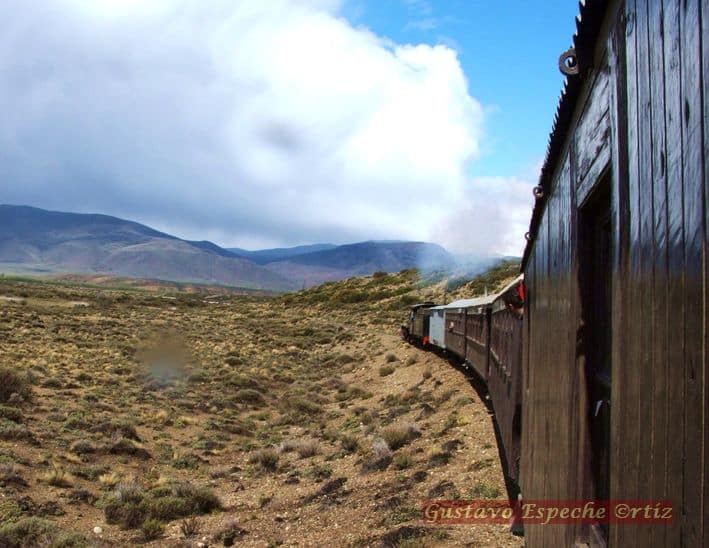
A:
[(266, 459), (250, 396), (10, 473), (484, 491), (304, 448), (307, 448), (402, 461), (398, 436), (152, 529), (385, 370), (10, 413), (239, 380), (58, 477), (349, 443), (380, 457), (298, 406), (33, 531), (13, 382), (130, 506), (82, 447), (117, 428), (189, 527)]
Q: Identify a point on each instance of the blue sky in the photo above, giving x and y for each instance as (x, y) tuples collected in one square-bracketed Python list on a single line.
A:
[(273, 123), (508, 50)]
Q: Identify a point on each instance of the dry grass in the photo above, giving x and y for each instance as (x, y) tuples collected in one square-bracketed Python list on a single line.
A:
[(160, 417)]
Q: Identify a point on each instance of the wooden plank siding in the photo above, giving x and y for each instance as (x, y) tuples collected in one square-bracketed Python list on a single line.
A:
[(642, 115), (505, 383), (477, 334), (660, 288), (455, 332)]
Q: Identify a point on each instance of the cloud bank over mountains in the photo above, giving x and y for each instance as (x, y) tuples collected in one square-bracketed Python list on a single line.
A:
[(248, 123)]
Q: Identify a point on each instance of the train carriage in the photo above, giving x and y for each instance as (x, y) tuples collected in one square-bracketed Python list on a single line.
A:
[(477, 335), (485, 333), (504, 376), (419, 317), (615, 368), (437, 327), (456, 322)]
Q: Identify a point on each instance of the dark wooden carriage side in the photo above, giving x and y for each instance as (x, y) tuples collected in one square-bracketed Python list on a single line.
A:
[(478, 336), (455, 331), (504, 381), (616, 272)]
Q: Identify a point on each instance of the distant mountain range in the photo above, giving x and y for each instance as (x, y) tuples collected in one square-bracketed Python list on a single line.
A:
[(38, 241)]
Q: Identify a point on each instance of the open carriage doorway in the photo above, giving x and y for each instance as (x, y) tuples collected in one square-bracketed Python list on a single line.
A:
[(595, 344)]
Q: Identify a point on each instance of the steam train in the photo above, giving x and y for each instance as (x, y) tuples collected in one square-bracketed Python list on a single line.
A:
[(485, 334), (601, 392)]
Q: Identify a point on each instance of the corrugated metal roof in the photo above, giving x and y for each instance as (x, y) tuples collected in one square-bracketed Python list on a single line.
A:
[(509, 286), (588, 25), (480, 301)]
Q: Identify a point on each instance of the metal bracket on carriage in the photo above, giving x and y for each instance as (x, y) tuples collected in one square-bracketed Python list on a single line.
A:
[(568, 64)]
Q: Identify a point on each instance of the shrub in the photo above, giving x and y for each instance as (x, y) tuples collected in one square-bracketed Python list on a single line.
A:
[(398, 436), (117, 428), (349, 443), (484, 491), (239, 380), (131, 506), (298, 406), (304, 448), (168, 508), (189, 527), (58, 477), (33, 531), (10, 413), (307, 448), (266, 459), (125, 446), (10, 473), (320, 472), (249, 395), (385, 370), (13, 382), (403, 461), (82, 447), (229, 533), (390, 357), (152, 529), (12, 431)]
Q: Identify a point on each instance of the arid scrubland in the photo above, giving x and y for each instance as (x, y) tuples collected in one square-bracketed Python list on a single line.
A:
[(135, 417)]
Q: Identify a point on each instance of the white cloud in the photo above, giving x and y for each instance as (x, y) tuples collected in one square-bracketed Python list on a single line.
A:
[(251, 123)]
